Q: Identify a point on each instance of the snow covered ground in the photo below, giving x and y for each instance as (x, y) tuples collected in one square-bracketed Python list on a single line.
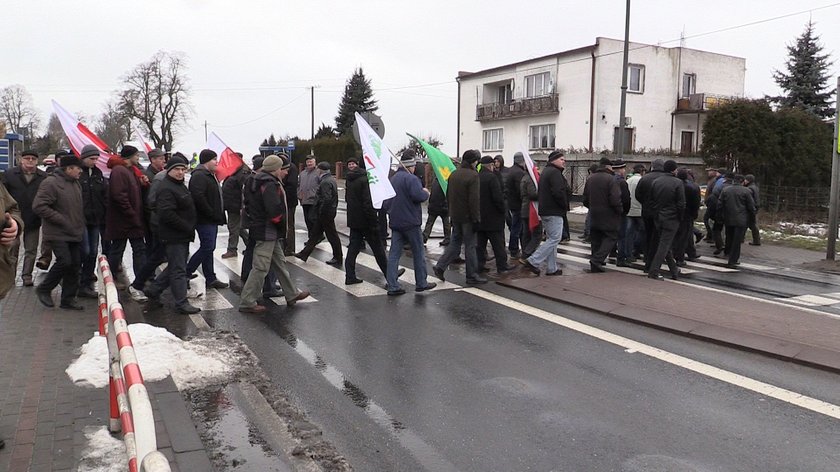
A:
[(104, 453)]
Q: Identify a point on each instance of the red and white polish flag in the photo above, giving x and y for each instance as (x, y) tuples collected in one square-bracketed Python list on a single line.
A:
[(229, 162), (78, 135)]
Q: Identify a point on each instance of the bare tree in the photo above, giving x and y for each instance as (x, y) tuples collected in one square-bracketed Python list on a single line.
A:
[(113, 125), (157, 94), (17, 110)]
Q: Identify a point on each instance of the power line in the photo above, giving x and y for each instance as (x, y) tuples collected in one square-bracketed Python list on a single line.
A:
[(265, 115)]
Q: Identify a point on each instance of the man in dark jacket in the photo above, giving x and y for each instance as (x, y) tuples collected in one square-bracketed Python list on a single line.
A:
[(513, 195), (209, 216), (531, 230), (232, 202), (362, 221), (405, 217), (462, 193), (492, 225), (553, 201), (644, 194), (438, 207), (23, 182), (94, 192), (323, 214), (265, 211), (752, 224), (712, 175), (725, 180), (174, 222), (60, 206), (623, 254), (735, 205), (124, 213), (668, 198), (684, 242), (290, 185), (602, 195)]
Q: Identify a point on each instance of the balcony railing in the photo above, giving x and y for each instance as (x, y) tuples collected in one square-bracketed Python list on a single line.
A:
[(703, 101), (543, 105)]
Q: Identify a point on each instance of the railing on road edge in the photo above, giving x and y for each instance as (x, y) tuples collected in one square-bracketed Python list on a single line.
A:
[(130, 409)]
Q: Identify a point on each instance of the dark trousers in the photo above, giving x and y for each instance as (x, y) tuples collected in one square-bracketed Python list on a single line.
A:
[(717, 234), (383, 225), (248, 263), (324, 226), (138, 253), (174, 276), (651, 241), (497, 242), (707, 221), (530, 239), (664, 250), (88, 251), (566, 234), (155, 256), (515, 232), (358, 237), (601, 243), (289, 243), (65, 270), (682, 239), (204, 255), (752, 224), (734, 239), (308, 219), (462, 233), (430, 223)]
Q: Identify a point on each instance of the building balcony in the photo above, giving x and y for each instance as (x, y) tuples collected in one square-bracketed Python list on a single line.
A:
[(700, 102), (543, 105)]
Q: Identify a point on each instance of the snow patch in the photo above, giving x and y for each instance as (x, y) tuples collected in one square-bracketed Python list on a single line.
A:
[(579, 210), (103, 453), (194, 363)]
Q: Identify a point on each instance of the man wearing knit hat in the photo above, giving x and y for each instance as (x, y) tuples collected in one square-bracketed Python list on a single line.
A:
[(207, 197), (553, 201), (264, 207), (174, 222), (514, 199), (124, 215), (323, 214), (93, 195), (22, 182), (232, 202), (60, 206)]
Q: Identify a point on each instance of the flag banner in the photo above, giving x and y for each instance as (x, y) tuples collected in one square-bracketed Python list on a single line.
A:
[(533, 210), (229, 162), (79, 136), (377, 163), (441, 163), (145, 142)]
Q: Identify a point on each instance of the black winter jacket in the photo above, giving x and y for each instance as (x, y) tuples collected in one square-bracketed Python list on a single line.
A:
[(360, 211), (438, 204), (602, 195), (554, 192), (264, 210), (667, 195), (24, 193), (692, 200), (94, 193), (174, 217), (734, 205), (232, 189), (511, 183), (207, 197), (528, 192), (326, 197), (290, 185), (462, 193), (644, 193), (491, 202)]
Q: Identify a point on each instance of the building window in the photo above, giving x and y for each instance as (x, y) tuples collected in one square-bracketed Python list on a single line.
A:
[(628, 140), (537, 85), (542, 136), (494, 139), (689, 84), (636, 75), (687, 142), (505, 94)]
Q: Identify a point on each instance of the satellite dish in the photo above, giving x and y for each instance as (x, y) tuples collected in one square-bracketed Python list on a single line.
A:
[(375, 122)]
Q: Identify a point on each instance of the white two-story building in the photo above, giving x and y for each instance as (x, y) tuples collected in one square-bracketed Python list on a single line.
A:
[(572, 100)]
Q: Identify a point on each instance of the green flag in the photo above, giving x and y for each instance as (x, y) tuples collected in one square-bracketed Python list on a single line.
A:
[(441, 163)]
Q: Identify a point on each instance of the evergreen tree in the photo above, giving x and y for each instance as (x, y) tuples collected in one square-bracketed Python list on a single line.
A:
[(805, 83), (358, 97)]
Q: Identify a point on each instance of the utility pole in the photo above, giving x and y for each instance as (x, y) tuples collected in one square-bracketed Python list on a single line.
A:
[(831, 248), (312, 110), (205, 131), (623, 111)]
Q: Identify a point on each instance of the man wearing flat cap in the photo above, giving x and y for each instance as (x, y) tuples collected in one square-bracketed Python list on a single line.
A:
[(602, 196), (22, 182)]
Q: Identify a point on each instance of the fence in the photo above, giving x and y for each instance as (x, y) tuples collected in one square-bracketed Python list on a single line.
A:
[(130, 409), (810, 200)]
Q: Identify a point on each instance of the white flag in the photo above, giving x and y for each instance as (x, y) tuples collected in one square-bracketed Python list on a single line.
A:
[(377, 163)]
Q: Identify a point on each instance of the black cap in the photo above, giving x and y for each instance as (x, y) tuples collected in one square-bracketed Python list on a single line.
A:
[(486, 160), (206, 156), (555, 155), (68, 160), (324, 165), (156, 153), (29, 152), (178, 160), (128, 151), (470, 156)]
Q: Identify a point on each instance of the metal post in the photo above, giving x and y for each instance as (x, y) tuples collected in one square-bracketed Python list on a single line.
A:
[(835, 186), (205, 131), (312, 112), (623, 112)]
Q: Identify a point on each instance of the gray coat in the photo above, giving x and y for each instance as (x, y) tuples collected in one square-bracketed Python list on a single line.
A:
[(59, 204), (735, 204)]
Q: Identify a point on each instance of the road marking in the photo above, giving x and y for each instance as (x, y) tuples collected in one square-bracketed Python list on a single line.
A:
[(810, 300), (369, 261), (772, 391), (626, 270)]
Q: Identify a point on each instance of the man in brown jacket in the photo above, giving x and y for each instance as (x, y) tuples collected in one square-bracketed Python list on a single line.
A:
[(12, 225), (462, 192), (59, 204)]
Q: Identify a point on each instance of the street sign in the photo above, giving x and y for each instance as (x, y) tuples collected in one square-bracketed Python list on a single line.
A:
[(5, 153)]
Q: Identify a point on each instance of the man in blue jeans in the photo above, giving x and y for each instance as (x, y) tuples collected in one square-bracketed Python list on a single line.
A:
[(406, 217), (553, 204), (209, 216)]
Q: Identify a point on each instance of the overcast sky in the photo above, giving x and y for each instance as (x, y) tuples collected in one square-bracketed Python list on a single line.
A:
[(251, 61)]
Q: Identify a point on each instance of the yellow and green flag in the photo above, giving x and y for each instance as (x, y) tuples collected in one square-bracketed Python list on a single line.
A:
[(440, 162)]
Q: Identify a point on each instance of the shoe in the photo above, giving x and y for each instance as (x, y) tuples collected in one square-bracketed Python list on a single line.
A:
[(476, 281), (352, 281), (429, 286), (444, 243), (681, 264), (514, 254), (438, 273), (136, 295), (459, 260), (754, 244), (43, 265), (656, 276), (27, 282), (505, 269), (396, 293), (718, 251), (254, 310), (272, 294), (587, 240), (45, 298), (483, 269), (300, 256), (731, 266), (676, 275), (400, 272), (193, 275), (596, 268), (300, 296), (698, 237), (583, 236), (229, 254), (194, 293), (218, 284), (334, 262), (693, 259), (556, 272), (623, 263), (527, 264), (87, 292), (71, 306), (187, 309)]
